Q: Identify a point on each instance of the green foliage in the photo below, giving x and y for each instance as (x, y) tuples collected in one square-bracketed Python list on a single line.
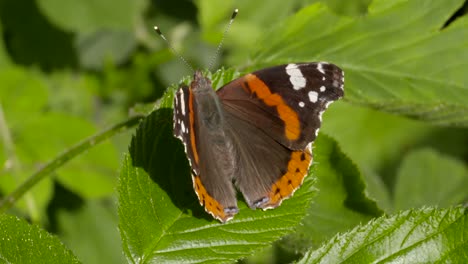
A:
[(398, 58), (389, 174), (423, 236), (24, 243), (418, 181)]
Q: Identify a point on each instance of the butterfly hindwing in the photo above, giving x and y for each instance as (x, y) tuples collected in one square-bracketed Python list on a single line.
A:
[(267, 172)]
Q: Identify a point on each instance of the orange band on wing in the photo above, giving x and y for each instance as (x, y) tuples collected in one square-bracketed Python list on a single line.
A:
[(297, 170), (192, 127), (212, 206), (286, 113)]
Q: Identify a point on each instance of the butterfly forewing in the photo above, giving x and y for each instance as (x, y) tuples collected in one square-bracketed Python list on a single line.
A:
[(287, 101)]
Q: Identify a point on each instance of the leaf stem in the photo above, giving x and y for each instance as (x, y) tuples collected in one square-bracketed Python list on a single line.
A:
[(63, 158)]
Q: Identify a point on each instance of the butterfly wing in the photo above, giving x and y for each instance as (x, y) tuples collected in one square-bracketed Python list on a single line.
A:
[(211, 172), (267, 171), (285, 101), (273, 115)]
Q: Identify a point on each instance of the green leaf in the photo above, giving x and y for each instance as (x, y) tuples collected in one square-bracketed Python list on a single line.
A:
[(350, 8), (399, 58), (422, 236), (371, 138), (90, 175), (26, 94), (73, 93), (432, 179), (24, 243), (102, 46), (92, 241), (33, 203), (376, 142), (161, 219), (342, 202), (252, 20), (89, 16)]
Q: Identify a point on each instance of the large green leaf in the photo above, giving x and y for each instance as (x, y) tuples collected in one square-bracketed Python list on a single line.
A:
[(416, 236), (21, 242), (430, 178), (400, 57)]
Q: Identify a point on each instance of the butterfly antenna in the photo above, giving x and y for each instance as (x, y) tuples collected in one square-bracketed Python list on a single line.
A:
[(172, 48), (218, 49)]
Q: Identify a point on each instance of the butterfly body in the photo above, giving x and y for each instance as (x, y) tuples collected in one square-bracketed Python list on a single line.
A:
[(255, 133)]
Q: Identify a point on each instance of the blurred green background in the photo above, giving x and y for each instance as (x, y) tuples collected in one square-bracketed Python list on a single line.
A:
[(68, 69)]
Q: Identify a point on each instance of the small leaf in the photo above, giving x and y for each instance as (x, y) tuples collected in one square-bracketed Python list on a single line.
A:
[(432, 179), (160, 217), (416, 236), (24, 243)]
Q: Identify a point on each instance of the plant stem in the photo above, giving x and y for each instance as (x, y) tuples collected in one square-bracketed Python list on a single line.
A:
[(63, 158)]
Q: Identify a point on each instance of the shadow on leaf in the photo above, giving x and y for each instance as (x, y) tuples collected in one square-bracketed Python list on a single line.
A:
[(154, 149)]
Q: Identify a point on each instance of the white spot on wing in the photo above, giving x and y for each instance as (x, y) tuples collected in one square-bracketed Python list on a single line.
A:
[(182, 102), (313, 96), (295, 76), (301, 104), (342, 81), (309, 147), (322, 88), (320, 68), (183, 127)]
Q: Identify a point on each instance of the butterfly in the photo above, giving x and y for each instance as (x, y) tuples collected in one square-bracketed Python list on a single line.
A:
[(253, 134)]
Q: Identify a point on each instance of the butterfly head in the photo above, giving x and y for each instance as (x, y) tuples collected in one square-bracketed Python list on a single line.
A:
[(200, 83)]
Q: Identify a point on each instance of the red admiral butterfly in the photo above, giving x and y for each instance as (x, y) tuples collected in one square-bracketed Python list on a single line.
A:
[(256, 131)]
